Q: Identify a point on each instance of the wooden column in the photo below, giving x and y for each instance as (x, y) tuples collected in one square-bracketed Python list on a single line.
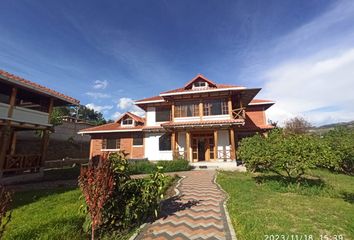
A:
[(201, 110), (173, 144), (6, 131), (45, 135), (188, 146), (232, 143), (229, 104), (13, 142), (216, 155), (173, 112)]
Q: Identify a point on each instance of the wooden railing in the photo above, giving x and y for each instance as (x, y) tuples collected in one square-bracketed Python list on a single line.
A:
[(22, 163), (178, 154), (239, 113), (224, 154)]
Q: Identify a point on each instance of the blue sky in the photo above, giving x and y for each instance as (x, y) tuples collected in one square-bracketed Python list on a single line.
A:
[(106, 53)]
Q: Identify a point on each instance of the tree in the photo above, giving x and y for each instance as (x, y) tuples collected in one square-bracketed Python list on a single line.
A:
[(297, 125), (97, 184), (341, 140), (288, 155)]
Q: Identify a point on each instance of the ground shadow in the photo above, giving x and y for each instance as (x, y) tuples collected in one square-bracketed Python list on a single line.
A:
[(348, 197), (175, 204), (285, 181)]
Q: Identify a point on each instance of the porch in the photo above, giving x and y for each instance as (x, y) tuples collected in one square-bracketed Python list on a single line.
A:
[(209, 145)]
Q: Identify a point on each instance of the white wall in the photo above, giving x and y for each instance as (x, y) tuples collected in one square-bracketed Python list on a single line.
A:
[(151, 118), (181, 141), (216, 117), (187, 119), (152, 148), (223, 141)]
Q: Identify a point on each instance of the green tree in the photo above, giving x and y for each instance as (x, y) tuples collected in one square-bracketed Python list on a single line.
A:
[(289, 156)]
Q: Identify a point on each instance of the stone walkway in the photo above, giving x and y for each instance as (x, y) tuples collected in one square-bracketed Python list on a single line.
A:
[(197, 212)]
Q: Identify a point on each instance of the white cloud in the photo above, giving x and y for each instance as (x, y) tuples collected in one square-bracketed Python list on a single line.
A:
[(127, 105), (116, 115), (98, 84), (99, 108), (97, 95), (321, 90)]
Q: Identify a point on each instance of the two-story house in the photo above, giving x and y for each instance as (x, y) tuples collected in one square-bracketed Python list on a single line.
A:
[(202, 121)]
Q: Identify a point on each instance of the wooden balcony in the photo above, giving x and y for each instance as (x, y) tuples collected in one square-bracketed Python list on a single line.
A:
[(179, 154), (224, 154), (21, 163)]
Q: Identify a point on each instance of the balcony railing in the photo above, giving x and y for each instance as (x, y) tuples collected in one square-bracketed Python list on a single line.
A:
[(239, 113), (14, 163), (179, 154)]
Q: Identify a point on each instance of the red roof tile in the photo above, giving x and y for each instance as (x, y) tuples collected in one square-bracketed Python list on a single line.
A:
[(261, 101), (154, 98), (206, 122), (110, 127), (39, 88), (199, 76), (133, 116), (218, 86)]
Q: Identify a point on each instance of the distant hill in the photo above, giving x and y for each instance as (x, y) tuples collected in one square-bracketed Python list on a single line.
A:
[(328, 127)]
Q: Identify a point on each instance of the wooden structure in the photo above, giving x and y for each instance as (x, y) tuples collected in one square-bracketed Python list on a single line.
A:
[(24, 106)]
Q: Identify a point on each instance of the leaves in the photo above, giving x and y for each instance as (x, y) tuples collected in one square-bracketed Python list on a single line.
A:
[(5, 216)]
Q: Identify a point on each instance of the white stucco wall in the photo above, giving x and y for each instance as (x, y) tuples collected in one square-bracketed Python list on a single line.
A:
[(151, 118), (152, 148), (216, 117)]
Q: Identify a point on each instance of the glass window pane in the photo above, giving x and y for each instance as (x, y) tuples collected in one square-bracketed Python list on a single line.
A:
[(165, 142)]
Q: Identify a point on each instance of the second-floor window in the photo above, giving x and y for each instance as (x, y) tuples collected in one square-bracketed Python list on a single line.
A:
[(187, 110), (215, 107), (163, 114), (127, 121)]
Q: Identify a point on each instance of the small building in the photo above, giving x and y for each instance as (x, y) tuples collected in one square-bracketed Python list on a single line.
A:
[(24, 106), (201, 121)]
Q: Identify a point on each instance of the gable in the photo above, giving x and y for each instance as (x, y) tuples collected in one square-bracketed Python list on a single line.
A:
[(199, 82)]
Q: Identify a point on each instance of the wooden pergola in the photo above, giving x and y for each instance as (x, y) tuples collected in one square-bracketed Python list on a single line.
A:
[(25, 106)]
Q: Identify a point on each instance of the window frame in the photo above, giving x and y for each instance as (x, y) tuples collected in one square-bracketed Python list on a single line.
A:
[(182, 109), (208, 107), (126, 124), (162, 109), (104, 146), (168, 136), (135, 137)]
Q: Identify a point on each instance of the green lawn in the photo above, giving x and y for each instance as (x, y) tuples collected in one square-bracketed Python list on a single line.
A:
[(264, 205)]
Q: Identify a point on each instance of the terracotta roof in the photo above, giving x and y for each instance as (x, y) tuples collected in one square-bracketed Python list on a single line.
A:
[(256, 127), (199, 76), (206, 122), (218, 86), (154, 98), (133, 116), (261, 101), (110, 127), (35, 86)]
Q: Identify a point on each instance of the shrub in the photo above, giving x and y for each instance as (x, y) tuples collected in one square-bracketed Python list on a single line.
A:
[(96, 184), (5, 201), (132, 201), (289, 156), (341, 141), (167, 166)]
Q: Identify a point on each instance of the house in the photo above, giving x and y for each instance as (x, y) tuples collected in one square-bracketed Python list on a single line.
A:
[(202, 121), (25, 106)]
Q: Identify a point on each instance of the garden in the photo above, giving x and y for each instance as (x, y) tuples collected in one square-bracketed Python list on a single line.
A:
[(299, 185)]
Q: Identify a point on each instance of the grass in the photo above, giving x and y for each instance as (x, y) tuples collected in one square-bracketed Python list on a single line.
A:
[(262, 205), (52, 214)]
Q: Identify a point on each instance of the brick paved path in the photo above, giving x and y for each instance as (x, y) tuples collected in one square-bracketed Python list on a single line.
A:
[(196, 213)]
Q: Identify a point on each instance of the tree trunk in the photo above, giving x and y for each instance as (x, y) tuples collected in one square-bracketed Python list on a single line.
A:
[(92, 233)]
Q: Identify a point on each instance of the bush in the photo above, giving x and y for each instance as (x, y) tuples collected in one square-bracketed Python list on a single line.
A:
[(289, 156), (132, 201), (341, 141), (167, 166)]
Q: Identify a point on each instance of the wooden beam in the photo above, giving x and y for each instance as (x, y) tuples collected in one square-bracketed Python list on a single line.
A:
[(46, 133), (232, 143), (13, 142), (188, 146), (215, 144), (201, 110), (12, 102)]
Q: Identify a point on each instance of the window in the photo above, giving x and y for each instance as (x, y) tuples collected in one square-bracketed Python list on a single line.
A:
[(111, 143), (138, 139), (127, 121), (215, 107), (162, 114), (165, 142), (187, 110), (200, 84)]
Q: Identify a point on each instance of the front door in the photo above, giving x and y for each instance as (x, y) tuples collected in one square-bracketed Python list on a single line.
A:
[(201, 149)]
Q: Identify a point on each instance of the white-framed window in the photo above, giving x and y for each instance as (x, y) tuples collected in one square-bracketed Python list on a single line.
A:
[(200, 84), (127, 121), (138, 139)]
